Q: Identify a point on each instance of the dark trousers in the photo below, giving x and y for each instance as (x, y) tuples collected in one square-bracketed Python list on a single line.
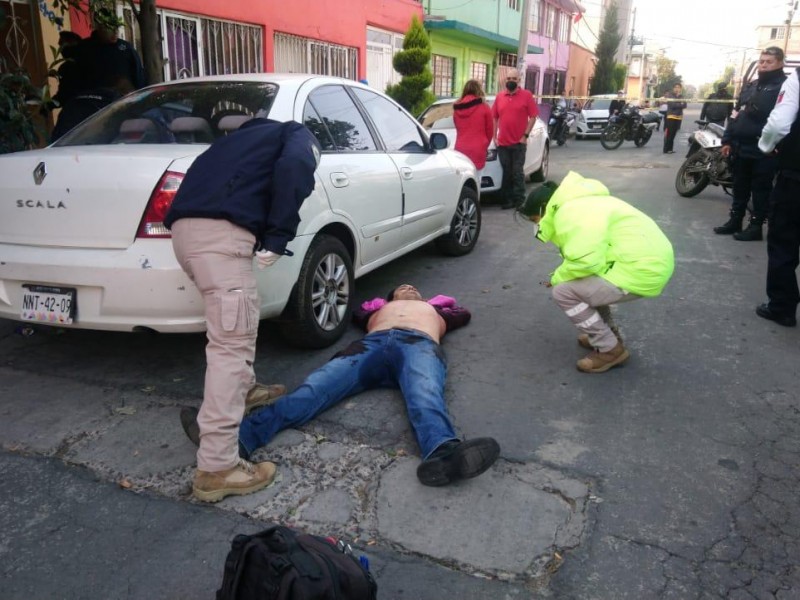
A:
[(752, 177), (671, 127), (783, 245), (512, 159)]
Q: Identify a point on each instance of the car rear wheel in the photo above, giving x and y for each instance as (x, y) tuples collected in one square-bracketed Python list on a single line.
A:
[(319, 309), (541, 174), (465, 228)]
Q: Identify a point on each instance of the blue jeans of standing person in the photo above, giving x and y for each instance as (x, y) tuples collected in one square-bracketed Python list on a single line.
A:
[(395, 358), (512, 159)]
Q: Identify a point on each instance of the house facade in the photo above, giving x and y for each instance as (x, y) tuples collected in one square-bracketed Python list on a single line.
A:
[(550, 27), (473, 40)]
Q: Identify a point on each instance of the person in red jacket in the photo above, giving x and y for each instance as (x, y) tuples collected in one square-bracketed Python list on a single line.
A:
[(474, 123)]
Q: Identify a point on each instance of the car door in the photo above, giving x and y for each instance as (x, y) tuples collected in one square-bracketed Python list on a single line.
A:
[(430, 185), (362, 181)]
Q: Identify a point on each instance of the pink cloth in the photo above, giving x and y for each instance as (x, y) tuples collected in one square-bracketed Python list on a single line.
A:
[(474, 128), (378, 303)]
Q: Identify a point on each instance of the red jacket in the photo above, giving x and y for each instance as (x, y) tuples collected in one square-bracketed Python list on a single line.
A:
[(474, 128)]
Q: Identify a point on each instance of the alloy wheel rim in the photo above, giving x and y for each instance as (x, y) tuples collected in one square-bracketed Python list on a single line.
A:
[(330, 292), (466, 222)]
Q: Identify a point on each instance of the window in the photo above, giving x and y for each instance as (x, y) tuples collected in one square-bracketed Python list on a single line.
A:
[(444, 69), (294, 54), (550, 21), (399, 133), (563, 27), (479, 72), (313, 121), (197, 46), (340, 117), (777, 33), (506, 59), (535, 16), (515, 5)]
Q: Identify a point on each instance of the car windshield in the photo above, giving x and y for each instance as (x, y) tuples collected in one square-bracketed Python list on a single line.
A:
[(181, 113), (597, 104)]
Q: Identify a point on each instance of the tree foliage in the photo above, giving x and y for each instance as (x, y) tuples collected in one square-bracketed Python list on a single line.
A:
[(619, 76), (665, 67), (411, 62), (607, 45)]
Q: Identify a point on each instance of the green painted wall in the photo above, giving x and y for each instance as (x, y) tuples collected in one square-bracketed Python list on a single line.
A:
[(492, 15), (448, 45)]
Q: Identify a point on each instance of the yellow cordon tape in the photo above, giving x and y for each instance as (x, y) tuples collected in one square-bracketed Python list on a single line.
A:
[(651, 100)]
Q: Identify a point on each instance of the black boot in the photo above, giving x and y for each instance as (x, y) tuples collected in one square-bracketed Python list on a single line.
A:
[(732, 225), (753, 232)]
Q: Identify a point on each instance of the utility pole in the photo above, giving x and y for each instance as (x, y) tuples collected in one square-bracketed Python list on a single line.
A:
[(522, 49), (792, 8), (630, 49)]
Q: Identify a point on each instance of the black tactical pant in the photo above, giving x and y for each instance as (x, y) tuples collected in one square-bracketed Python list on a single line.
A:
[(752, 177), (783, 244)]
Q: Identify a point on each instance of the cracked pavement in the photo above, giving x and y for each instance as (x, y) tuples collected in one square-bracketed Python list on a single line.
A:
[(674, 477)]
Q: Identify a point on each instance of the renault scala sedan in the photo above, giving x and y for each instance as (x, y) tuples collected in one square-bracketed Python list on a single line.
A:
[(82, 243), (438, 118)]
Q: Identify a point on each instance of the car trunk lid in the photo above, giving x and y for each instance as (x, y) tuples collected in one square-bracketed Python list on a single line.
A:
[(87, 196)]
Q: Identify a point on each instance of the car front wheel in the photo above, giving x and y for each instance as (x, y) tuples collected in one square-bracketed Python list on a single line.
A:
[(465, 226), (319, 309)]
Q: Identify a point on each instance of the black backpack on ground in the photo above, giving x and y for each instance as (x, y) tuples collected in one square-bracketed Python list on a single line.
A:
[(282, 564)]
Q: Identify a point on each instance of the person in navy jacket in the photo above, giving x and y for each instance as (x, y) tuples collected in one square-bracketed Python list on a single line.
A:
[(241, 198)]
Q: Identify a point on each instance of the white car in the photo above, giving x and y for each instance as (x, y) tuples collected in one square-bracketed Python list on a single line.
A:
[(593, 117), (438, 118), (82, 242)]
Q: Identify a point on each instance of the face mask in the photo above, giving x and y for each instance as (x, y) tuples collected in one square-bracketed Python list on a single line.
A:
[(511, 85)]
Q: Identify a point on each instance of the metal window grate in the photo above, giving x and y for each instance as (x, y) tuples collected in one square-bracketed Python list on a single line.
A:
[(295, 54), (444, 69), (479, 72), (232, 47)]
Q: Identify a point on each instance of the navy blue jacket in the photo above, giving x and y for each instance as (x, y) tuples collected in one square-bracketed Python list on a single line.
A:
[(256, 177), (756, 101)]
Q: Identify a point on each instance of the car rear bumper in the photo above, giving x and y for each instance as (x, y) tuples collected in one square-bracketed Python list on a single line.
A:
[(123, 290)]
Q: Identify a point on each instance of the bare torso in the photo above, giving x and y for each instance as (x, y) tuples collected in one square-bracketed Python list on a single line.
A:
[(408, 314)]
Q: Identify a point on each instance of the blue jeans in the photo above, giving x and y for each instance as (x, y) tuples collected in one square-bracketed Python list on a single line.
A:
[(395, 358)]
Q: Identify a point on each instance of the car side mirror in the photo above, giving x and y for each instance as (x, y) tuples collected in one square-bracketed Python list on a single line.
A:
[(439, 141)]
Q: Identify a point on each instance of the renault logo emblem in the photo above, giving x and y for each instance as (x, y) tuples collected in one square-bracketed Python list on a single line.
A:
[(39, 173)]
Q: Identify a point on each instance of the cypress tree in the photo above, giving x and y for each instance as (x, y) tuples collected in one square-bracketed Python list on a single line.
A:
[(411, 62), (607, 45)]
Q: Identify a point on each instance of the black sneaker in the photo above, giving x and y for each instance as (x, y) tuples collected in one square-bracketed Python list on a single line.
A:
[(456, 460), (765, 312), (189, 424)]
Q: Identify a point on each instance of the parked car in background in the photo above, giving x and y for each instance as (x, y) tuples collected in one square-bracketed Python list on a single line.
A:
[(81, 234), (438, 118), (593, 116)]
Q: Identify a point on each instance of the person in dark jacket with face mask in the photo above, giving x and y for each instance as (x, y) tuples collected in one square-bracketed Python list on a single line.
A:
[(718, 112), (753, 171), (514, 113)]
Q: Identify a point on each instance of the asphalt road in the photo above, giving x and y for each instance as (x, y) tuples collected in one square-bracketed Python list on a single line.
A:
[(674, 476)]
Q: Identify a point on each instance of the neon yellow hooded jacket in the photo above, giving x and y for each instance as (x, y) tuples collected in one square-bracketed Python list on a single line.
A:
[(600, 235)]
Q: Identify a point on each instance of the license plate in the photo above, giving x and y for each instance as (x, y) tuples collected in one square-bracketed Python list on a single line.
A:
[(46, 304)]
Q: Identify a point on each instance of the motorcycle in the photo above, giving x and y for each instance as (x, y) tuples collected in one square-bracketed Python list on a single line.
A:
[(560, 123), (627, 125), (704, 162)]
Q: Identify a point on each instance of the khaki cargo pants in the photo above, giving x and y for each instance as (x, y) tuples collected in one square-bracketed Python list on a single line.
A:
[(218, 256)]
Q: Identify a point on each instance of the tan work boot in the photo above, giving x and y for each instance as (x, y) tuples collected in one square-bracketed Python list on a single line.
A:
[(244, 478), (600, 362), (262, 395)]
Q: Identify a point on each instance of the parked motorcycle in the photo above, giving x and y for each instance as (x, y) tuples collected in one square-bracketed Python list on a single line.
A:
[(627, 125), (704, 162), (559, 124)]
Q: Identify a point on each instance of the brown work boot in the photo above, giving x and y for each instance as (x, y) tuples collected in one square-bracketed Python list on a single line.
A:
[(262, 395), (244, 478), (600, 362)]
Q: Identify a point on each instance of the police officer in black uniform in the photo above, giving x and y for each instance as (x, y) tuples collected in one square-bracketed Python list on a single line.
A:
[(753, 172), (717, 112), (781, 135)]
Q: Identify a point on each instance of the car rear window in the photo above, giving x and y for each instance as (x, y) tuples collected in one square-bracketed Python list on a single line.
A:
[(182, 113)]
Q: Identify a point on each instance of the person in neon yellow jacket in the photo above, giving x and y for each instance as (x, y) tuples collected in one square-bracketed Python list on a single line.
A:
[(612, 253)]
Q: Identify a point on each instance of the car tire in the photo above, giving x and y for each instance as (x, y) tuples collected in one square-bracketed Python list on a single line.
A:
[(319, 309), (541, 174), (465, 228)]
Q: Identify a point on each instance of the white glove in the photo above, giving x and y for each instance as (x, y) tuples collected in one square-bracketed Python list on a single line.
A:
[(266, 258)]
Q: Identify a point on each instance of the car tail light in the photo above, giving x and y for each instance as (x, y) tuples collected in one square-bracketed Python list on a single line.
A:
[(152, 225)]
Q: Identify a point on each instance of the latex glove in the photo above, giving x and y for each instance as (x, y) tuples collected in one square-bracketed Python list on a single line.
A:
[(266, 258)]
